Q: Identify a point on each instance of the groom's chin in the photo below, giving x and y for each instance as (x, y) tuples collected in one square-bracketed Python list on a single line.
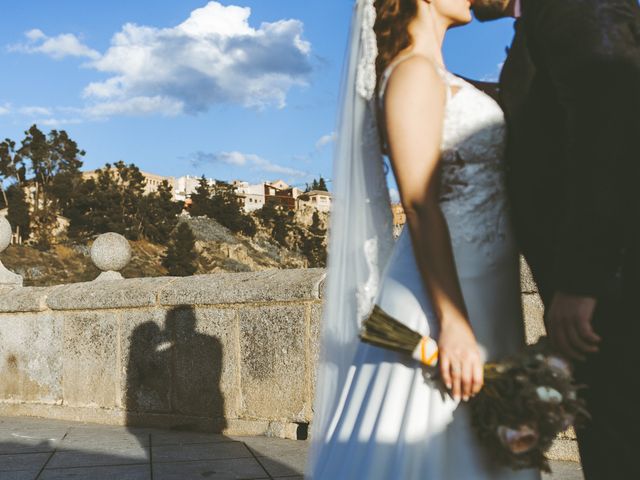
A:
[(488, 10)]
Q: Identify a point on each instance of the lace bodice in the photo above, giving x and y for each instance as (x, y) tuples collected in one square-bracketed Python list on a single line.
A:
[(472, 188)]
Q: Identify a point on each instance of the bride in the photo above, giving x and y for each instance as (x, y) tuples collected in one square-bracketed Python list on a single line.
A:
[(452, 274)]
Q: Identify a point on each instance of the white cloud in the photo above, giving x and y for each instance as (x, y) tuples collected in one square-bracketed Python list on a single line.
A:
[(213, 57), (325, 140), (135, 106), (248, 160), (58, 47), (34, 111), (395, 195), (5, 109), (57, 122)]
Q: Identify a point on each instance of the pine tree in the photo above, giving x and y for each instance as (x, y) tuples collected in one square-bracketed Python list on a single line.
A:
[(13, 169), (83, 211), (112, 202), (267, 214), (67, 175), (36, 148), (18, 211), (226, 209), (313, 244), (159, 214), (322, 185), (55, 164), (319, 184), (180, 258), (131, 185), (280, 230), (201, 199)]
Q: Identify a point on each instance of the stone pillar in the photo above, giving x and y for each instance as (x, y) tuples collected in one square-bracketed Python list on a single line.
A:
[(7, 277), (110, 252)]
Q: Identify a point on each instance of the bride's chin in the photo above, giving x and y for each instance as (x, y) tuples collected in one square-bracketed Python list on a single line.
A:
[(461, 22)]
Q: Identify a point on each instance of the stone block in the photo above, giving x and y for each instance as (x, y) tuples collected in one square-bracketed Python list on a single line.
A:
[(315, 328), (31, 358), (180, 360), (145, 363), (24, 299), (128, 293), (89, 365), (205, 342), (273, 376), (244, 287), (533, 310)]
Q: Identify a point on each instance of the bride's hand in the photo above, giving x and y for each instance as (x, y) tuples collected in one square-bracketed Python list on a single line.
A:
[(461, 363)]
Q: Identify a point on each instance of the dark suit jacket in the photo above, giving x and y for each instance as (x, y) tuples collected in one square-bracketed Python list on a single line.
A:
[(570, 89)]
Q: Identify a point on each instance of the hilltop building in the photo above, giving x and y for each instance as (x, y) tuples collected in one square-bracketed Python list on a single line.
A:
[(318, 199), (281, 194), (251, 196), (153, 180), (186, 185)]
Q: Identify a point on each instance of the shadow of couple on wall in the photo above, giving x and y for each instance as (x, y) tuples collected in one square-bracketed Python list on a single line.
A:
[(173, 375)]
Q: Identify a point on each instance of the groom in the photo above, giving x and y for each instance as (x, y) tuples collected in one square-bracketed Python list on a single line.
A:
[(570, 88)]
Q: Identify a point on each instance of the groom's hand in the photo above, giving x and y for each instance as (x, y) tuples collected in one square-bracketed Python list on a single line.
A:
[(569, 324)]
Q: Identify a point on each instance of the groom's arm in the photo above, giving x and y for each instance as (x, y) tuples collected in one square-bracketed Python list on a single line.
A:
[(591, 52)]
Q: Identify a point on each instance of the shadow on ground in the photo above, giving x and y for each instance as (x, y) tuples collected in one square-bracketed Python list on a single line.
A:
[(33, 449)]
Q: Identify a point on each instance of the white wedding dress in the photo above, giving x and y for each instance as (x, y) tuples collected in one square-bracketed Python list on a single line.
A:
[(392, 422)]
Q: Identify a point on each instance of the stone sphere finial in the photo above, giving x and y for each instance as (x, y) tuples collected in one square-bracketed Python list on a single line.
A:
[(7, 277), (110, 252), (5, 233)]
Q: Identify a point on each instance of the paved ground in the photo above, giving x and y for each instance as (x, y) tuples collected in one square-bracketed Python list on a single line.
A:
[(33, 449)]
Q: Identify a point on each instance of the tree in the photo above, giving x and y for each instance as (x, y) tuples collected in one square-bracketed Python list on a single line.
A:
[(319, 184), (322, 185), (13, 169), (18, 211), (55, 164), (67, 175), (313, 246), (110, 202), (180, 258), (201, 199), (267, 214), (159, 214), (280, 231)]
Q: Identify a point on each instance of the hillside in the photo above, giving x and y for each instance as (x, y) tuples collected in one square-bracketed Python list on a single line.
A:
[(219, 250)]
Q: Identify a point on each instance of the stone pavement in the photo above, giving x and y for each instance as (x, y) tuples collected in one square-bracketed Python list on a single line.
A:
[(39, 449)]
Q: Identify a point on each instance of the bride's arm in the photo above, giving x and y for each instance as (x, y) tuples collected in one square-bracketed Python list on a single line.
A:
[(414, 112)]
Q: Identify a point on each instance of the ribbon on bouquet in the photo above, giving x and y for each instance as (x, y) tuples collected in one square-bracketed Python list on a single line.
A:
[(426, 352)]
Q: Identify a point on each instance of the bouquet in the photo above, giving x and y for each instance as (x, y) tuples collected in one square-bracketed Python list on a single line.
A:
[(527, 399)]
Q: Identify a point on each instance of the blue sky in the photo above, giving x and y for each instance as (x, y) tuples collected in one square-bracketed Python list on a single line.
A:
[(195, 87)]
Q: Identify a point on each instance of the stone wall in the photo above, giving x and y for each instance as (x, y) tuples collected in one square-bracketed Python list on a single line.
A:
[(229, 352)]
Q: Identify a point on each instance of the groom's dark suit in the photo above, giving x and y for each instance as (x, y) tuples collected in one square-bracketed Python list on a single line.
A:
[(570, 89)]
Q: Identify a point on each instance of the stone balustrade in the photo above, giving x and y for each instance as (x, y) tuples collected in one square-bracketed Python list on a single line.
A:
[(230, 352)]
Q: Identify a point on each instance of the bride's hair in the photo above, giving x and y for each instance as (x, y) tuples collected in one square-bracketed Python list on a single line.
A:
[(392, 29)]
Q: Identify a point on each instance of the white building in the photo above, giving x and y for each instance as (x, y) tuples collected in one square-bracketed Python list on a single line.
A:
[(318, 199), (153, 180), (252, 196), (186, 185)]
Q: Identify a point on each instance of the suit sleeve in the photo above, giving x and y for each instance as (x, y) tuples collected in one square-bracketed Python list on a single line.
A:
[(592, 58)]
